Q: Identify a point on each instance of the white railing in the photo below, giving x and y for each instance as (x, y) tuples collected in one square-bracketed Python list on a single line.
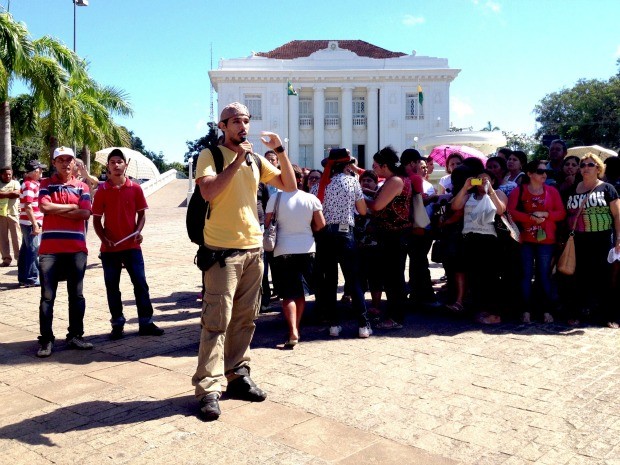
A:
[(332, 122), (359, 121), (153, 185), (305, 122)]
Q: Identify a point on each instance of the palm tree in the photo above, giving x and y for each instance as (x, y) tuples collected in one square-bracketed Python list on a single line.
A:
[(43, 65), (490, 127), (84, 116)]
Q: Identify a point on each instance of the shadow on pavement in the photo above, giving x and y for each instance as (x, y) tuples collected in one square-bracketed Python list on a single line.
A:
[(95, 414)]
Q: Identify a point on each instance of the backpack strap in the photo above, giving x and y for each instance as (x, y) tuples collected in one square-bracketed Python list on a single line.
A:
[(218, 160)]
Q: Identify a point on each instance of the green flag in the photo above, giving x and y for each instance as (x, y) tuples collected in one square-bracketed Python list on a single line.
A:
[(289, 88), (420, 94)]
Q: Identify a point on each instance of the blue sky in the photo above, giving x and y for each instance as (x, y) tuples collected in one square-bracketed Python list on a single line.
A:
[(511, 52)]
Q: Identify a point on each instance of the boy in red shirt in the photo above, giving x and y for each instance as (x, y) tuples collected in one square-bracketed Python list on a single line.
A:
[(122, 203)]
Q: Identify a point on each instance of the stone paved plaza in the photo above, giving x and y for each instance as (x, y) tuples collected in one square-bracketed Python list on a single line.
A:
[(440, 391)]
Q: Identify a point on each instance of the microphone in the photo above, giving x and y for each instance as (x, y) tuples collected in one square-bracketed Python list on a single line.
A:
[(248, 156)]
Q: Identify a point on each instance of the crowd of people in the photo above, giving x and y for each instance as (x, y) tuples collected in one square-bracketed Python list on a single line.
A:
[(53, 214), (497, 229), (490, 276)]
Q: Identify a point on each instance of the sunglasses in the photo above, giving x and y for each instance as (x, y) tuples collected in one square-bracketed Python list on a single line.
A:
[(541, 171), (313, 178), (590, 164)]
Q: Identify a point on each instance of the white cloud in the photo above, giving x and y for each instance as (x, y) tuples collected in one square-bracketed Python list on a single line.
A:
[(490, 5), (410, 20), (460, 108), (493, 6)]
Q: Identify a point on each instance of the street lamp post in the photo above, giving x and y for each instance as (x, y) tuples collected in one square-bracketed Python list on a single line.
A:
[(76, 3)]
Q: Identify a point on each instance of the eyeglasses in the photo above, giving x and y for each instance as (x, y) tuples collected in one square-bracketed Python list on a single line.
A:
[(540, 171), (313, 178), (590, 164)]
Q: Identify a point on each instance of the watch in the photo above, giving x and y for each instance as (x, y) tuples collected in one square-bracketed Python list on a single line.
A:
[(279, 149)]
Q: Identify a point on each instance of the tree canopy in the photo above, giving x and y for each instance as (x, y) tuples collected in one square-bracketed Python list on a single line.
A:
[(586, 114)]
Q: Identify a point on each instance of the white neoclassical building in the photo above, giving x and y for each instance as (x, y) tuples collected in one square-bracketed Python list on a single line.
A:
[(349, 94)]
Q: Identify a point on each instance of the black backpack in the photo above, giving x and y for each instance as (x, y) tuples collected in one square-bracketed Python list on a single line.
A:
[(198, 209)]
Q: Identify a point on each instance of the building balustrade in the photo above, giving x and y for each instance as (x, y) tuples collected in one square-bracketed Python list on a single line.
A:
[(359, 121), (305, 122), (332, 122)]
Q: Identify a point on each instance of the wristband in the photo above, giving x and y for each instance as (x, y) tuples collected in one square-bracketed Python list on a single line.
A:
[(279, 149)]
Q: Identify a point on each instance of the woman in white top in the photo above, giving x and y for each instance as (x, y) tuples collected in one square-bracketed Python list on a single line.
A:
[(481, 203), (515, 163), (298, 215), (445, 183)]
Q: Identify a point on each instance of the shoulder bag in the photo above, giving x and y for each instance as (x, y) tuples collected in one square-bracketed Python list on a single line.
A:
[(269, 236), (567, 263)]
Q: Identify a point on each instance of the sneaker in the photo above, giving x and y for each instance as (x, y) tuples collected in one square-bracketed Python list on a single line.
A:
[(243, 388), (365, 331), (210, 407), (46, 349), (118, 331), (79, 343), (335, 331), (150, 330)]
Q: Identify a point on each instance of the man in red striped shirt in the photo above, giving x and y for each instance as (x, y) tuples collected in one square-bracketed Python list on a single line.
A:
[(65, 203), (30, 220)]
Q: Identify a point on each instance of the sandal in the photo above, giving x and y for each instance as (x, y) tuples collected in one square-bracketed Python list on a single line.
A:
[(548, 318), (389, 324), (288, 345), (456, 307), (526, 318)]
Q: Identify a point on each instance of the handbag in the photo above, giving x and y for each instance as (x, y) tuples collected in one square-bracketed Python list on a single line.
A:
[(270, 234), (419, 215), (567, 263), (506, 227)]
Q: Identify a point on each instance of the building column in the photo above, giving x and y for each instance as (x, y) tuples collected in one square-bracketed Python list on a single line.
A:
[(293, 127), (319, 125), (372, 126), (346, 123)]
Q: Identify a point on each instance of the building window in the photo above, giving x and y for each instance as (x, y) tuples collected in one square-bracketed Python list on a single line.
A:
[(359, 112), (414, 110), (306, 156), (305, 112), (254, 104), (332, 115)]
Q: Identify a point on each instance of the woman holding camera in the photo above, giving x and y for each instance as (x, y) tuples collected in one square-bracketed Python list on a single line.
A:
[(480, 203), (537, 208), (593, 207)]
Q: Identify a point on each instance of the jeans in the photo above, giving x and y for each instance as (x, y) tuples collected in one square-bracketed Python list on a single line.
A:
[(55, 267), (542, 254), (333, 248), (134, 264), (28, 261)]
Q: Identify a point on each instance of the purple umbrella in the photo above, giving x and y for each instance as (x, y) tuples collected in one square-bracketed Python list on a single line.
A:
[(441, 153)]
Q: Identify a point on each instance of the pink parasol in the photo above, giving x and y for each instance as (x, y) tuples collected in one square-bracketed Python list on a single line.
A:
[(440, 153)]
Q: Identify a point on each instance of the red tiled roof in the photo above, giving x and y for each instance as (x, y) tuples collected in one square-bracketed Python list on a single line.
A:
[(304, 48)]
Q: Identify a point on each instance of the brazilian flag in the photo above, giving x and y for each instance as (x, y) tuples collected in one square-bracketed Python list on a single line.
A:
[(289, 88)]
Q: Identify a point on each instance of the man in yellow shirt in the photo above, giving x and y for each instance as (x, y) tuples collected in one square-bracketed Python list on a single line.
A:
[(232, 297)]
